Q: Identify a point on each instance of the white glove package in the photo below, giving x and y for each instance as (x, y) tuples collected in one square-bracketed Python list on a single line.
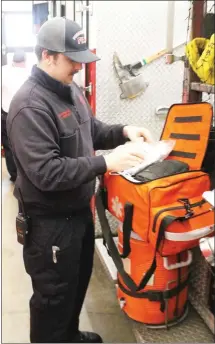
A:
[(153, 152)]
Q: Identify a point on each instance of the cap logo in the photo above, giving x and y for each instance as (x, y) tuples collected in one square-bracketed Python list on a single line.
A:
[(79, 37)]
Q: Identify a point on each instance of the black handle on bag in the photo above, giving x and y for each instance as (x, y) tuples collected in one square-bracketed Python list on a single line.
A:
[(126, 229), (130, 284)]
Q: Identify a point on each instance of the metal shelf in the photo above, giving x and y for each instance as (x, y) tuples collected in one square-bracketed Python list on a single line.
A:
[(199, 87)]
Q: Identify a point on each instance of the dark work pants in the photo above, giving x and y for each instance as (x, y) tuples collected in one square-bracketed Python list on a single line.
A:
[(58, 288), (11, 167)]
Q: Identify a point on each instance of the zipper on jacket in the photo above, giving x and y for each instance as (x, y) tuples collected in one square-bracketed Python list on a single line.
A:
[(77, 115), (174, 208)]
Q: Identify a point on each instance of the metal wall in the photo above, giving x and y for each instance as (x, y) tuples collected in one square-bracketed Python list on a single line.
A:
[(137, 29)]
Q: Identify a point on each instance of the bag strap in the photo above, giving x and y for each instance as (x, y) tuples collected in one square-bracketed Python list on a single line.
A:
[(128, 281), (126, 229), (157, 295), (167, 220), (110, 242), (114, 251)]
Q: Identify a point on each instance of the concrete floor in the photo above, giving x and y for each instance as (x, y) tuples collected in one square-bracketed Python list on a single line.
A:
[(101, 312)]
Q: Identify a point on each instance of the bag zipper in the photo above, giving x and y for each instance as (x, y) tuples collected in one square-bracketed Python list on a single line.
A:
[(166, 186), (193, 205), (170, 175)]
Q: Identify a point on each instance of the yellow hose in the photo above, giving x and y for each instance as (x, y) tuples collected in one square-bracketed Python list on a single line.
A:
[(200, 53)]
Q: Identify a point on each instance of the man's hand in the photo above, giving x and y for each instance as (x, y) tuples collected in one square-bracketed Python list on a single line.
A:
[(134, 133), (124, 157)]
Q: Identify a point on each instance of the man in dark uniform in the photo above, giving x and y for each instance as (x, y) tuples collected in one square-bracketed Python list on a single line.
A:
[(13, 76), (53, 136)]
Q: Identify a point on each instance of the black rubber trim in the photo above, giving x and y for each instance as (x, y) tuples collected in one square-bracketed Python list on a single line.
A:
[(181, 154), (192, 137), (189, 119)]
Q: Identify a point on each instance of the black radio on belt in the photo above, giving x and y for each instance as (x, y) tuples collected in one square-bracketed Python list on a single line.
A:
[(22, 223)]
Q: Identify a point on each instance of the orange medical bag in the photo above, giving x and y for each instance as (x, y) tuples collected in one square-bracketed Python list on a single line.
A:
[(164, 298), (161, 220)]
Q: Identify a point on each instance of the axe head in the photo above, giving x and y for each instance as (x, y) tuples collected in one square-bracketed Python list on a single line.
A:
[(133, 87), (131, 83)]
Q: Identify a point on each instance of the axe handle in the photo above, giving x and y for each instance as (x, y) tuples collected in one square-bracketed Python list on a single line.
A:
[(155, 56)]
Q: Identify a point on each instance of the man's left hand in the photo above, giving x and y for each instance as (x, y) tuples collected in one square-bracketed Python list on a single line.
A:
[(134, 133)]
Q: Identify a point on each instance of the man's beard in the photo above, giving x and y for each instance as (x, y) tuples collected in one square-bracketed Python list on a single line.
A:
[(75, 72)]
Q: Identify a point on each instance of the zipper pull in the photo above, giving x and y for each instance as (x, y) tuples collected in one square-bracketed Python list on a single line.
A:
[(54, 253), (187, 206)]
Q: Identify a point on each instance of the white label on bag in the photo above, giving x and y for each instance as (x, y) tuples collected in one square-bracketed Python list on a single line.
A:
[(209, 196), (116, 206), (151, 280), (192, 235), (127, 265), (126, 261)]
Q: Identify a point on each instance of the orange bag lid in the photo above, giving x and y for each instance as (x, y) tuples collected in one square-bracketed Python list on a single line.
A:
[(189, 125)]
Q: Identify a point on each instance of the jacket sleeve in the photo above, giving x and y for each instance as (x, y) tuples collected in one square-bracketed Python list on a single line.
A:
[(107, 136), (35, 143)]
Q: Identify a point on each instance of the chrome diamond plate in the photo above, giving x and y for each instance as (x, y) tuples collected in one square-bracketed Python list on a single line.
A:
[(137, 30)]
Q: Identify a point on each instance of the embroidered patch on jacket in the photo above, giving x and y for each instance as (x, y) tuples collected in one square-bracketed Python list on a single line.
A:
[(65, 114)]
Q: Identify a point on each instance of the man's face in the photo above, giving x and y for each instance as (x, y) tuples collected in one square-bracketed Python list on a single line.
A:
[(62, 68)]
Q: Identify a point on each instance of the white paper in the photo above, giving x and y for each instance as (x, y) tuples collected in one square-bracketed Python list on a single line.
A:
[(209, 196), (153, 152)]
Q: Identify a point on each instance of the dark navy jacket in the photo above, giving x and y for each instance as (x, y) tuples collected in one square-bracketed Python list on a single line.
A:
[(53, 135)]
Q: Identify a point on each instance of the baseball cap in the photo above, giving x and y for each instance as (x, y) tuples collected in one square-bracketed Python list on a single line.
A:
[(67, 37)]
